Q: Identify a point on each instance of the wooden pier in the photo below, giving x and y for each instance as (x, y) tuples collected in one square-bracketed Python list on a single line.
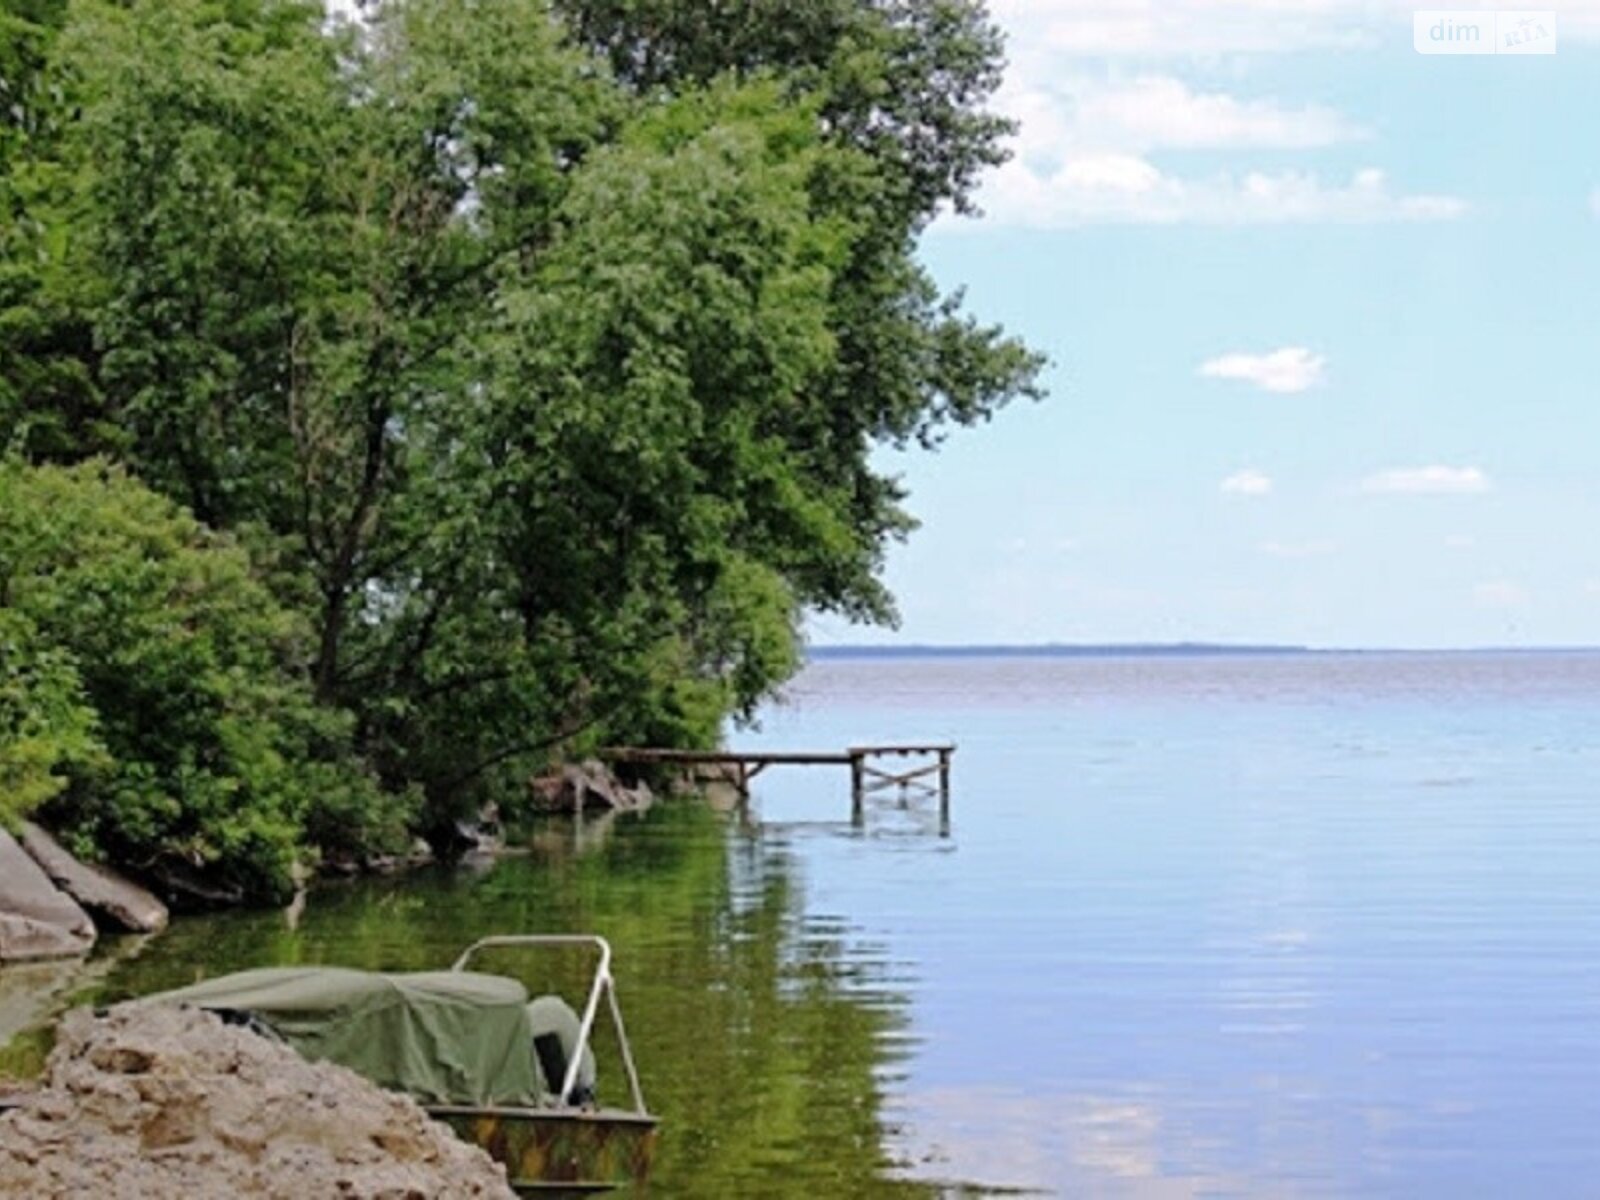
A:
[(867, 775)]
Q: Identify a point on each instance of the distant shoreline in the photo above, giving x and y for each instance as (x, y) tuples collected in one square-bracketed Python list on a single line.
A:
[(1155, 650)]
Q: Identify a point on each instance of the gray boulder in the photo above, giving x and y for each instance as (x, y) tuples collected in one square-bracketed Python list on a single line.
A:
[(37, 920), (585, 787), (119, 903)]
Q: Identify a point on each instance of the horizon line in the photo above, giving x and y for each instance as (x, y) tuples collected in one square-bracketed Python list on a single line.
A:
[(1153, 649)]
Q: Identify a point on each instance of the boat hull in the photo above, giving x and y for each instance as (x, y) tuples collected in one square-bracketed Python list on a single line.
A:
[(555, 1152)]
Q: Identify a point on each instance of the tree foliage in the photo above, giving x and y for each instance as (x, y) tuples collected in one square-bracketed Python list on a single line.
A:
[(538, 349), (47, 728), (145, 666)]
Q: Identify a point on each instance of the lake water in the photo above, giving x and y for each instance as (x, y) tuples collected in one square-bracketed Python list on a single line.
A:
[(1203, 926)]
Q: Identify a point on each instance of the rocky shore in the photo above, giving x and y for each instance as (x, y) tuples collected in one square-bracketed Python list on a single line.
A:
[(53, 906), (47, 898), (155, 1102), (585, 787)]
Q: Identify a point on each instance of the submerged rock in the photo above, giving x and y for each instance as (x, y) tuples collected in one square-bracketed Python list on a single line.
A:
[(37, 920), (151, 1101), (119, 903)]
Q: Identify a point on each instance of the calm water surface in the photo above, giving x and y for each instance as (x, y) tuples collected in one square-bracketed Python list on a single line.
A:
[(1287, 926)]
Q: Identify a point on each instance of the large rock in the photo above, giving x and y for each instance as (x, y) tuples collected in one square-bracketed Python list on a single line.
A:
[(117, 902), (470, 838), (586, 786), (148, 1102), (37, 920)]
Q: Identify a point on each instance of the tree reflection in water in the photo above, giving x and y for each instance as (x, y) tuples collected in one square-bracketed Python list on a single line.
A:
[(763, 1034)]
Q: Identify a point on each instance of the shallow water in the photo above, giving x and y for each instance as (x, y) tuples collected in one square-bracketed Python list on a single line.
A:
[(1284, 926)]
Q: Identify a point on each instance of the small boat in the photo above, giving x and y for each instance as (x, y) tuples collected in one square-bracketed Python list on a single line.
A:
[(514, 1076)]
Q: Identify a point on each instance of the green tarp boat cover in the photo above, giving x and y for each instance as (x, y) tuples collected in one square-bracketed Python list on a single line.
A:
[(445, 1037)]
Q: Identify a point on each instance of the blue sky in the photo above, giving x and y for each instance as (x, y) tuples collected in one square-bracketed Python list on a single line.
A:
[(1323, 316)]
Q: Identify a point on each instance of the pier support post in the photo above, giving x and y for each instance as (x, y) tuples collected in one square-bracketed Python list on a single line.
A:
[(858, 798), (742, 774), (944, 793)]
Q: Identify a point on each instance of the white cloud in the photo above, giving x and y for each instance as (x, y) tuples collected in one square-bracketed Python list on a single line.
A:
[(1248, 482), (1082, 153), (1159, 111), (1500, 593), (1156, 28), (1146, 29), (1460, 541), (1594, 203), (1126, 188), (1434, 481), (1110, 173), (1312, 549), (1287, 371), (1076, 123)]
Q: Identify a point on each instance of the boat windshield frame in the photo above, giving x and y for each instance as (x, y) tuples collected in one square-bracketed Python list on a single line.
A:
[(602, 987)]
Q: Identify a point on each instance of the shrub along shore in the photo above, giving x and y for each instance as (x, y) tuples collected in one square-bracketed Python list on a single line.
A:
[(394, 410)]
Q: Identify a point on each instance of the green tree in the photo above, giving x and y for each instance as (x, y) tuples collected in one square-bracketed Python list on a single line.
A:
[(47, 729), (541, 349), (49, 404), (215, 758), (899, 88)]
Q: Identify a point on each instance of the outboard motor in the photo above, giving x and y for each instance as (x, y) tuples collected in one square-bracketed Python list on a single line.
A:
[(556, 1028)]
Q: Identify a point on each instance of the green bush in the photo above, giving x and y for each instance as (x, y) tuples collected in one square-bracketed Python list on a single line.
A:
[(217, 758), (46, 727)]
